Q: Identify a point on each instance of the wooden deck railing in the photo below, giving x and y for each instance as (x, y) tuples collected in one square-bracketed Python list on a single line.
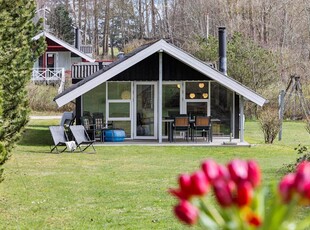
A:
[(49, 76)]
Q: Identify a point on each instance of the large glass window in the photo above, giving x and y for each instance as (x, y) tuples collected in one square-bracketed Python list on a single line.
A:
[(171, 100), (221, 109), (119, 106), (197, 90), (119, 91), (119, 109), (94, 101), (197, 98)]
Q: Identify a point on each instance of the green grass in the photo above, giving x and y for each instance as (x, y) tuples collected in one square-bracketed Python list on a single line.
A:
[(118, 187)]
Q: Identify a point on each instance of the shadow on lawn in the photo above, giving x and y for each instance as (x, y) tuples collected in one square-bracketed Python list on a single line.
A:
[(36, 135)]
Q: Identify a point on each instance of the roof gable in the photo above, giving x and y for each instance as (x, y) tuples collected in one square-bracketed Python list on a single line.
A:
[(144, 52), (65, 45)]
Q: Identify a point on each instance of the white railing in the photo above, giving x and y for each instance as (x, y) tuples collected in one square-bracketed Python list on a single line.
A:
[(49, 76)]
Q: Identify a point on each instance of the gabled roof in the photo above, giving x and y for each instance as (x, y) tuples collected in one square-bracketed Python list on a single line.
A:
[(145, 51), (65, 45)]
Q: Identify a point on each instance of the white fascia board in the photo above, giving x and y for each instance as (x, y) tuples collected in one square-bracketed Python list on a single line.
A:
[(64, 44), (214, 74), (178, 54), (108, 74)]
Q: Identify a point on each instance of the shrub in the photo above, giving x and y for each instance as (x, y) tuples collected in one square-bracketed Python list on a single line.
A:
[(303, 155), (41, 99), (269, 122)]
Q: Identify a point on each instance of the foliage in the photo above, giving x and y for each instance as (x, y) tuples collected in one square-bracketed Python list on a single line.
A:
[(307, 127), (303, 155), (61, 24), (18, 52), (242, 202), (269, 122), (247, 62), (41, 99)]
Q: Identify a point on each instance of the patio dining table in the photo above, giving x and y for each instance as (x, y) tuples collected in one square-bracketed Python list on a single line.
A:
[(170, 120)]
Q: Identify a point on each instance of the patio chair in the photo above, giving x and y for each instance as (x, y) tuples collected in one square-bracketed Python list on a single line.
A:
[(203, 124), (60, 138), (87, 122), (99, 125), (181, 123), (81, 137), (67, 119)]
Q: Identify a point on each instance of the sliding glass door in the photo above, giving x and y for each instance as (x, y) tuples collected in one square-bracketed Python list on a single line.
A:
[(146, 111)]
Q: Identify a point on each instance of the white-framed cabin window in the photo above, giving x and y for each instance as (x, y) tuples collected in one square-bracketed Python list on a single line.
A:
[(197, 94), (119, 97)]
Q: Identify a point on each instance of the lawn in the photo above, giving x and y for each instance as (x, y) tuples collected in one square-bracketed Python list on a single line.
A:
[(118, 187)]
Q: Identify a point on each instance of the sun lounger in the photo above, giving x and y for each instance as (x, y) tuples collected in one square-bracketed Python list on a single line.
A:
[(81, 137)]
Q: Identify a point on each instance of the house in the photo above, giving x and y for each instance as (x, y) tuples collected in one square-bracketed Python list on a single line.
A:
[(140, 91), (57, 59)]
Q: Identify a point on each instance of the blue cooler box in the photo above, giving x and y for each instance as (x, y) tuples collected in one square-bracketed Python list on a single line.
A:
[(114, 135)]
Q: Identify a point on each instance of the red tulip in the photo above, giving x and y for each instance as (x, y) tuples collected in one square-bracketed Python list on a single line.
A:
[(286, 187), (223, 192), (254, 173), (238, 170), (302, 176), (185, 184), (186, 212), (307, 191), (244, 193), (199, 183), (223, 173), (179, 194), (211, 169), (254, 220)]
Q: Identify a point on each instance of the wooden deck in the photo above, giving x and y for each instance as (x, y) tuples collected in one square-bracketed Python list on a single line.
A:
[(217, 142)]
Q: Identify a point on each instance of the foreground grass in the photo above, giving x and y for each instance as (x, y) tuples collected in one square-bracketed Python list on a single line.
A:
[(118, 187)]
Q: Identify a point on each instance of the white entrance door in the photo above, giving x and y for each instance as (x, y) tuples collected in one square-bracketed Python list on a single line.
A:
[(145, 124)]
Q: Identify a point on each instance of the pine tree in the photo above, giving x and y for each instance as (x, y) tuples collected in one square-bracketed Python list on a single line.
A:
[(18, 52), (61, 24)]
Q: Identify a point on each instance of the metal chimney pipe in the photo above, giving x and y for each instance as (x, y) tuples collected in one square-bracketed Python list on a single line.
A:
[(77, 38), (222, 50)]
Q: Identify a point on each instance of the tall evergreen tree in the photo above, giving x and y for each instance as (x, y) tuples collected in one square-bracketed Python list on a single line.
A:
[(18, 52), (61, 24)]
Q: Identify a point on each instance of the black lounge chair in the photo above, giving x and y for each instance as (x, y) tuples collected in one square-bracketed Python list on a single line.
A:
[(81, 137), (59, 137)]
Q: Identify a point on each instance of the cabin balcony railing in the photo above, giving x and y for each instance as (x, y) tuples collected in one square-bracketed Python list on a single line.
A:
[(49, 76)]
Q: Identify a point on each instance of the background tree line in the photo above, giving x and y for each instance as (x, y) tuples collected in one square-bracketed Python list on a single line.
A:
[(269, 39)]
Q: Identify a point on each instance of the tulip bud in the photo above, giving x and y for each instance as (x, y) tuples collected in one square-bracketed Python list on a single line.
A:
[(223, 173), (199, 183), (286, 187), (223, 192), (186, 212), (244, 193), (254, 173), (211, 169), (185, 184), (302, 176), (178, 193), (238, 170)]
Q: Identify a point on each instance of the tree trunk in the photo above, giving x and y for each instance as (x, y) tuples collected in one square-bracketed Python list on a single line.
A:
[(153, 18), (95, 35), (106, 29)]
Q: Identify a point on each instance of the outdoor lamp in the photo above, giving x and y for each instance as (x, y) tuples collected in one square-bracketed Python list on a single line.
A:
[(125, 95), (205, 95), (201, 85), (192, 95)]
